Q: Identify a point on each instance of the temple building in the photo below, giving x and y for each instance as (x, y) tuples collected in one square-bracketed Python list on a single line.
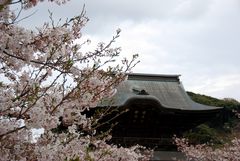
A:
[(155, 108)]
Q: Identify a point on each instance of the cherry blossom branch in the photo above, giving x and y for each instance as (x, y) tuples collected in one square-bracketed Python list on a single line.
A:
[(12, 131), (38, 67), (32, 61)]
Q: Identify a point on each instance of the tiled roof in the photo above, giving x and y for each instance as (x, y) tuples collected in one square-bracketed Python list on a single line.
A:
[(165, 91)]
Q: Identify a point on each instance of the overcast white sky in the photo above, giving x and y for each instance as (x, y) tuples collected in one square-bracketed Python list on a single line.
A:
[(199, 39)]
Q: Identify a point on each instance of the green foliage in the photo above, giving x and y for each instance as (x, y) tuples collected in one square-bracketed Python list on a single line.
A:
[(203, 134), (207, 100), (226, 116), (220, 126)]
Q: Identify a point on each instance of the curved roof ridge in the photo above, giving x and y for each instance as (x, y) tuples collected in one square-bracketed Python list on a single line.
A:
[(153, 75), (165, 89)]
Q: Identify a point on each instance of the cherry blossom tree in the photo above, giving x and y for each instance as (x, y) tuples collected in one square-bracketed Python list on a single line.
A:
[(204, 152), (230, 151), (47, 82)]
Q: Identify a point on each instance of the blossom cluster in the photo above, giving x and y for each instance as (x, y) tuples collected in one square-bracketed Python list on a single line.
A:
[(47, 83), (204, 152)]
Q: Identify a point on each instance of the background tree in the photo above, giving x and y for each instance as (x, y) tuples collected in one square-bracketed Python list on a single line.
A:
[(215, 140), (46, 82)]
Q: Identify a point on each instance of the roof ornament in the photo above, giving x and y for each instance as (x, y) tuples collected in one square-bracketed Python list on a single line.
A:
[(140, 91)]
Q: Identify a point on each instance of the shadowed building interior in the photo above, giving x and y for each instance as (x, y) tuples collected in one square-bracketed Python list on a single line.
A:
[(157, 108)]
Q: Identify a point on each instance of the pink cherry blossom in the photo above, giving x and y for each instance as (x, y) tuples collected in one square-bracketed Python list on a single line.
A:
[(48, 82)]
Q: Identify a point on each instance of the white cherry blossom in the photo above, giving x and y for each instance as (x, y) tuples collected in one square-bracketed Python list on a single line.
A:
[(48, 83)]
